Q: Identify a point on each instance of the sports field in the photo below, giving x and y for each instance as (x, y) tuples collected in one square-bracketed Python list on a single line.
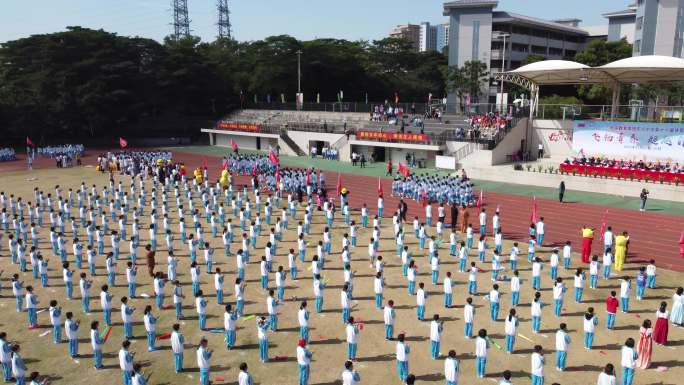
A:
[(375, 361)]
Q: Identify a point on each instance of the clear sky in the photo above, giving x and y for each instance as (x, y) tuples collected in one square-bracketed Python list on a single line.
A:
[(256, 19)]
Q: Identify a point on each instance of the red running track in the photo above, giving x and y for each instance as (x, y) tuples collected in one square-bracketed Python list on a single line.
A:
[(652, 235)]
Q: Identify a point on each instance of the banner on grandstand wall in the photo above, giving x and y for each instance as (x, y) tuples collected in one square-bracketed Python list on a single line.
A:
[(238, 126), (629, 140), (391, 136)]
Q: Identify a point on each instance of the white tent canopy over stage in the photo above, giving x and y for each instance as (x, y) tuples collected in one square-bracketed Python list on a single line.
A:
[(638, 69)]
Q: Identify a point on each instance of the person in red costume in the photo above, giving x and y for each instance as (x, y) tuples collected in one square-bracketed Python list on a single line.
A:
[(587, 239)]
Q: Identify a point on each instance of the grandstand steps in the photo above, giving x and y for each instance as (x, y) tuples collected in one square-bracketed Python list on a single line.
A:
[(288, 145)]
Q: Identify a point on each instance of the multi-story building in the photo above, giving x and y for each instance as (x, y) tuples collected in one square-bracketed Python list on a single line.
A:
[(659, 28), (442, 37), (433, 37), (654, 27), (477, 32), (621, 24), (410, 32), (428, 37)]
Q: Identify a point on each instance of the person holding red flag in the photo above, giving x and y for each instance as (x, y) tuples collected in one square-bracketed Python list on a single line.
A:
[(403, 170), (339, 184), (389, 168), (273, 157), (234, 146)]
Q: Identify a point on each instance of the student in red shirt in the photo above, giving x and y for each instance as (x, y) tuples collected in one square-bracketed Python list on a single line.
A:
[(611, 308)]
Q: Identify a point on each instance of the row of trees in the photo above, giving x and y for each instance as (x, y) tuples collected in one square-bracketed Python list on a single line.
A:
[(92, 83), (84, 83)]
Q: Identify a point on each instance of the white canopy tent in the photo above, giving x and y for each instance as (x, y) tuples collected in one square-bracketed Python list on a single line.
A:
[(638, 69)]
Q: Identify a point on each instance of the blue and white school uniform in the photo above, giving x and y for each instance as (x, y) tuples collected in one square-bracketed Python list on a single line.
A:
[(628, 362), (178, 347), (150, 322), (127, 319), (106, 305), (203, 357), (537, 369), (562, 343), (589, 329), (481, 348), (451, 371), (55, 320), (126, 365), (402, 355), (436, 329), (510, 328)]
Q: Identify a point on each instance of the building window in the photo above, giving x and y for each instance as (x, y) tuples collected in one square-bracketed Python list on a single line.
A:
[(639, 23), (539, 50), (519, 47), (555, 51), (637, 47), (521, 30), (555, 35), (476, 40), (570, 53)]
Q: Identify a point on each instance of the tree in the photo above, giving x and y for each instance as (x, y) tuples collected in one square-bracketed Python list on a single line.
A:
[(94, 84), (467, 80), (598, 53), (533, 59)]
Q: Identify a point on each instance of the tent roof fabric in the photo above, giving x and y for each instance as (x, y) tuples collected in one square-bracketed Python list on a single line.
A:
[(638, 69)]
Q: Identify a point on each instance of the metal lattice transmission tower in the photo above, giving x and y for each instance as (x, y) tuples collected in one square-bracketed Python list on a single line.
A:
[(181, 20), (224, 27)]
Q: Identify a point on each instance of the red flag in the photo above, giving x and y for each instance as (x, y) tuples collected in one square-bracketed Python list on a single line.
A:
[(29, 142), (380, 192), (339, 184), (233, 145), (254, 170), (533, 216), (603, 224), (123, 143), (165, 336), (205, 162), (480, 200), (277, 176), (403, 170), (273, 157), (423, 198), (396, 97), (307, 181)]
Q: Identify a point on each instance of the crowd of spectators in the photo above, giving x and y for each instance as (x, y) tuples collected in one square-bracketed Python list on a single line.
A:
[(387, 113), (640, 165), (7, 154), (483, 126)]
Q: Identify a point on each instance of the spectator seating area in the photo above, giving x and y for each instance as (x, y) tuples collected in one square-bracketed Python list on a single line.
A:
[(478, 128)]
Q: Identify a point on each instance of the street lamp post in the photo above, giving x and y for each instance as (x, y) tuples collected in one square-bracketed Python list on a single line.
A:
[(503, 68), (299, 71)]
